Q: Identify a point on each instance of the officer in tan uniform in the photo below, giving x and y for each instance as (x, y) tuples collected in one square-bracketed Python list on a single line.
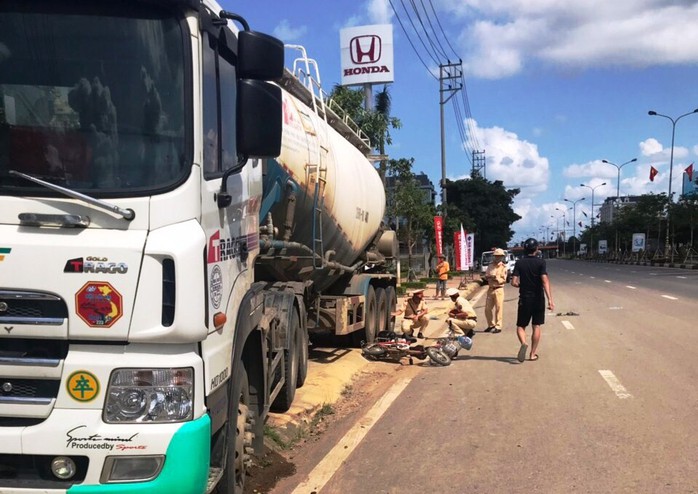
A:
[(462, 316), (496, 276), (415, 314)]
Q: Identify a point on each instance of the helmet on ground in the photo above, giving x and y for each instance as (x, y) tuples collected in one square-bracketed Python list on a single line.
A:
[(452, 291), (465, 342), (530, 245)]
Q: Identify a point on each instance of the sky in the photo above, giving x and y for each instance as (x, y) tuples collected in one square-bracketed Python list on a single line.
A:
[(552, 89)]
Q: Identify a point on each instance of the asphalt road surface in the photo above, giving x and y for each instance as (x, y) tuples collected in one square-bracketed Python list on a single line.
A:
[(611, 406)]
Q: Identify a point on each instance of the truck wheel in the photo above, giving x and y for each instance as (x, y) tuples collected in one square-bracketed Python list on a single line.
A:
[(381, 310), (302, 348), (291, 357), (368, 335), (239, 439), (391, 305)]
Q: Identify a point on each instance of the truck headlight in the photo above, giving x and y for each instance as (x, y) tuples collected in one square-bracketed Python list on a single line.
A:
[(150, 395)]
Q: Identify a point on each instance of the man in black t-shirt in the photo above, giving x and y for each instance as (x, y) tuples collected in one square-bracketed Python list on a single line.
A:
[(531, 277)]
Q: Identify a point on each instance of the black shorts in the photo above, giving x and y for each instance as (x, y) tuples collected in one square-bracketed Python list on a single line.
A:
[(530, 309)]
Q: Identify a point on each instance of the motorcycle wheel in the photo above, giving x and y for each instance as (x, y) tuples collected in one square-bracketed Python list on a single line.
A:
[(438, 356)]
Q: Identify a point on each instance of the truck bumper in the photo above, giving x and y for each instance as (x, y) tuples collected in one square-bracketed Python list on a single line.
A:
[(185, 447)]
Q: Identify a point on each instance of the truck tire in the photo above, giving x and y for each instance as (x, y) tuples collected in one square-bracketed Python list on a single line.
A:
[(302, 348), (381, 310), (368, 335), (391, 305), (238, 436), (285, 397)]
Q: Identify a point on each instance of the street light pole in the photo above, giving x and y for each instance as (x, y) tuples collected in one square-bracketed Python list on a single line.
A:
[(564, 232), (619, 167), (574, 219), (592, 211), (671, 169)]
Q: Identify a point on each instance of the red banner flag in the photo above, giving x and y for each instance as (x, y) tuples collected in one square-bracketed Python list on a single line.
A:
[(689, 172), (438, 233), (457, 250), (653, 173)]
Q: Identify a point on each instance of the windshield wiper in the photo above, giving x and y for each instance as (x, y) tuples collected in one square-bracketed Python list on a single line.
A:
[(127, 214)]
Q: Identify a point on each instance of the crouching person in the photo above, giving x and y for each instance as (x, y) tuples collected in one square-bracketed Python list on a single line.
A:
[(461, 317), (415, 314)]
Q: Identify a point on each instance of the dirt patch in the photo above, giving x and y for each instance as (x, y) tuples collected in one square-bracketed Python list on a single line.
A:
[(283, 446)]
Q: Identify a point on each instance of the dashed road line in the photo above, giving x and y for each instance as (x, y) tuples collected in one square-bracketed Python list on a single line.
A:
[(630, 286), (607, 281), (669, 297), (615, 384), (567, 324)]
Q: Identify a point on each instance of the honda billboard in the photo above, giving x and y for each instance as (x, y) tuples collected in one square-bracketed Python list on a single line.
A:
[(367, 54)]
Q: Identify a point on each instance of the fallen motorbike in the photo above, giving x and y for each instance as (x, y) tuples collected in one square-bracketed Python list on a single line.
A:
[(390, 346), (447, 347)]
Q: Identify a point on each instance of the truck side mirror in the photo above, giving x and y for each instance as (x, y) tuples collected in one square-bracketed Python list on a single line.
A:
[(260, 56), (259, 119)]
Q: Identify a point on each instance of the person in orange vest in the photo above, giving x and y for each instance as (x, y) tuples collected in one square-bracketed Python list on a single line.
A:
[(442, 269)]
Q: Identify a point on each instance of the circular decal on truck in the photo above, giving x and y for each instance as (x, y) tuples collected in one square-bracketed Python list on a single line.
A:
[(216, 286), (98, 304), (83, 386)]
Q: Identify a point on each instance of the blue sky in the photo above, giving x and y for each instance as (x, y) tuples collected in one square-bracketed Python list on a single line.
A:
[(554, 87)]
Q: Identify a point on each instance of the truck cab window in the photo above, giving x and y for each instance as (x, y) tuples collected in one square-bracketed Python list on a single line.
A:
[(96, 106), (219, 94)]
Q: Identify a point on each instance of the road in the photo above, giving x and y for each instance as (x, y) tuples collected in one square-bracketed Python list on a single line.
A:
[(611, 406)]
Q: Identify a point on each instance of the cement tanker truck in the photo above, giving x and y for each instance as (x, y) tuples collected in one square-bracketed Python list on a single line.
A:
[(179, 214)]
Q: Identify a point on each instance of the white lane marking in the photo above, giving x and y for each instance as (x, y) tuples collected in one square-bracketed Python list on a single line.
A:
[(681, 277), (616, 307), (607, 281), (653, 274), (324, 470), (669, 297), (615, 384), (567, 325), (630, 286), (592, 277)]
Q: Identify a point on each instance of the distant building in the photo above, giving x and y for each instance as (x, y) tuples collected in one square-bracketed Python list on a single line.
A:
[(424, 184), (612, 205)]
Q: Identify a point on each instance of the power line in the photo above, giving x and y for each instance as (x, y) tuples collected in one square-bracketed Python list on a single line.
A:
[(410, 40)]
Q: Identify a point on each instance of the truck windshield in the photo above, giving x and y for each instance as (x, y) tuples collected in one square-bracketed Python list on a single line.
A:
[(91, 97)]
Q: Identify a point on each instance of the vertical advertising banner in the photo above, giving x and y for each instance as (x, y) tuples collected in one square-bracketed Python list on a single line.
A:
[(438, 234), (469, 250), (462, 257), (459, 253)]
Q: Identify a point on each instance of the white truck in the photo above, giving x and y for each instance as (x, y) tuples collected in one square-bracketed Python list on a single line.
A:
[(178, 213)]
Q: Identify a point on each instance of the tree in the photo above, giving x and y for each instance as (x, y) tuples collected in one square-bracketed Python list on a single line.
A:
[(488, 205), (407, 203), (376, 123)]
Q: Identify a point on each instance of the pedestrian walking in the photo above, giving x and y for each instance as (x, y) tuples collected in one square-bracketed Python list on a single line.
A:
[(531, 277), (442, 269), (462, 316), (415, 314), (496, 277)]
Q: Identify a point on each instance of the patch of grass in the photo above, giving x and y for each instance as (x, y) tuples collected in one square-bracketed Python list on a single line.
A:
[(347, 390), (276, 437)]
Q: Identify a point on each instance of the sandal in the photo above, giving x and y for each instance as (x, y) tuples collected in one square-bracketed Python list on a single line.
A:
[(522, 352), (534, 357)]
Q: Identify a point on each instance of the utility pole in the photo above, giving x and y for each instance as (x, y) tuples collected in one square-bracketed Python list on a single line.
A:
[(450, 77), (479, 164)]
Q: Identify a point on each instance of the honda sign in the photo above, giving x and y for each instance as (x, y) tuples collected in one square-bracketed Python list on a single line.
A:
[(367, 54)]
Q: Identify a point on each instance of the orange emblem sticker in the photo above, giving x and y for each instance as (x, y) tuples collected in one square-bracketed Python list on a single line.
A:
[(99, 304), (83, 386)]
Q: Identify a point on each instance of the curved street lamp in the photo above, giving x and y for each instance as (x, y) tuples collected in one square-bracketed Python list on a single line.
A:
[(574, 219), (671, 168), (591, 235), (619, 167)]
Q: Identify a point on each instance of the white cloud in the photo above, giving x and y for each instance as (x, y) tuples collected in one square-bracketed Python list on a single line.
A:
[(379, 11), (515, 162), (650, 147), (286, 33), (596, 168), (501, 37)]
